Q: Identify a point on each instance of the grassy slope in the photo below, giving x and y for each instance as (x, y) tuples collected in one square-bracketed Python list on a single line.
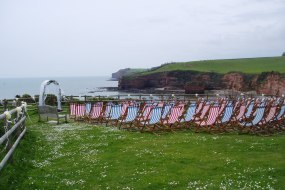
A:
[(250, 65), (80, 156)]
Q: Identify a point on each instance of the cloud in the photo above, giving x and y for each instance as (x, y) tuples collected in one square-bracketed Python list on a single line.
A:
[(69, 37)]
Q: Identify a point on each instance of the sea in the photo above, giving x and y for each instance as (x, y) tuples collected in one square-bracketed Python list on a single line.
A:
[(75, 86)]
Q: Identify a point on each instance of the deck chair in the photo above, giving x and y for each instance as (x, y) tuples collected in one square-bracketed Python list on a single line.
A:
[(238, 115), (95, 113), (225, 118), (80, 112), (144, 114), (208, 120), (72, 110), (278, 122), (114, 115), (124, 108), (201, 112), (250, 109), (172, 118), (105, 112), (165, 110), (250, 123), (129, 118), (264, 124), (88, 108), (152, 122), (187, 116), (223, 106)]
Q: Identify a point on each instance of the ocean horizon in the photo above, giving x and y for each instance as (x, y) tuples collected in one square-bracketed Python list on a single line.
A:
[(76, 86)]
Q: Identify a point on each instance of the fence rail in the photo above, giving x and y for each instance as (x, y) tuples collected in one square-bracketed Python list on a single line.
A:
[(18, 130)]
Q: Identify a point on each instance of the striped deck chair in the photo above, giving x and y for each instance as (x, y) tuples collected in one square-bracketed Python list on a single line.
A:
[(188, 116), (238, 115), (130, 117), (88, 108), (72, 110), (223, 106), (269, 116), (145, 113), (201, 112), (115, 114), (152, 122), (165, 110), (80, 111), (210, 119), (173, 117), (225, 118), (249, 109), (200, 106), (95, 113), (124, 107), (278, 122), (106, 112), (250, 123)]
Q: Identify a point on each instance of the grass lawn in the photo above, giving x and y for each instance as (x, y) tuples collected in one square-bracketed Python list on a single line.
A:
[(247, 65), (81, 156)]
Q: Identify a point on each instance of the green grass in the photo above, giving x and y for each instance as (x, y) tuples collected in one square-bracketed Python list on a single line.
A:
[(247, 65), (81, 156)]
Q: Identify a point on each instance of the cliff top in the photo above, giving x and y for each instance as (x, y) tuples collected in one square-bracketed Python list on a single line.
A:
[(245, 65)]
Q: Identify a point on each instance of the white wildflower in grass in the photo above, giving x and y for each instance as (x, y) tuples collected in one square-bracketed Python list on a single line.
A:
[(199, 185), (173, 183), (238, 140), (41, 164), (127, 188), (68, 182), (121, 137)]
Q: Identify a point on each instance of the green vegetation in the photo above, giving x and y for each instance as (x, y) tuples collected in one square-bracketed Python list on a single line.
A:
[(247, 65), (136, 70), (82, 156)]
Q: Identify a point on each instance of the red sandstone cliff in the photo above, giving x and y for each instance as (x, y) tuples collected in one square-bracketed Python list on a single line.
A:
[(196, 82)]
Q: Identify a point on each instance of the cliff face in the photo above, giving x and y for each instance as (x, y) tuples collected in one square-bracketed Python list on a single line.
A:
[(198, 82), (119, 74), (271, 84)]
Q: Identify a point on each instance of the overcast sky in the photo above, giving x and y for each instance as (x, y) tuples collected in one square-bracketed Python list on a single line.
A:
[(97, 37)]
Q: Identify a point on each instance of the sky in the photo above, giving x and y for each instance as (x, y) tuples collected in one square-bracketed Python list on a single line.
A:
[(54, 38)]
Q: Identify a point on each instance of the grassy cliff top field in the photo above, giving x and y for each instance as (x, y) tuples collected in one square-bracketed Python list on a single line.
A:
[(84, 156), (245, 65)]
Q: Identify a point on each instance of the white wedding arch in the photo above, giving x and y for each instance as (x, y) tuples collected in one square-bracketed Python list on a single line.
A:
[(43, 94)]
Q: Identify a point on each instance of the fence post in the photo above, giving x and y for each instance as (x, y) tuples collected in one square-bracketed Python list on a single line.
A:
[(5, 104)]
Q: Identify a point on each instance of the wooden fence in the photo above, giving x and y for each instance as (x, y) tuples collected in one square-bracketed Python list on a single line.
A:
[(12, 125)]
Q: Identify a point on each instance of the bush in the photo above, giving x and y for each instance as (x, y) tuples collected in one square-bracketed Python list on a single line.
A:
[(27, 98), (51, 100)]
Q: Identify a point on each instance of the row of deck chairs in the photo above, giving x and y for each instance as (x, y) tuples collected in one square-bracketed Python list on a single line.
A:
[(265, 115)]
